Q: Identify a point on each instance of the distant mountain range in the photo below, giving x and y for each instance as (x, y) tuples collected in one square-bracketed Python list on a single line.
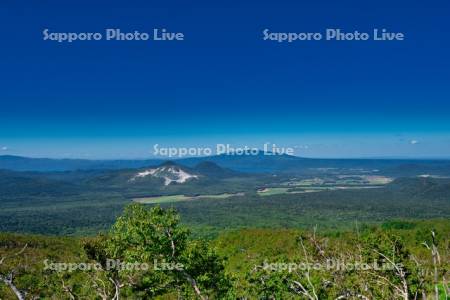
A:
[(19, 163), (259, 163), (164, 178)]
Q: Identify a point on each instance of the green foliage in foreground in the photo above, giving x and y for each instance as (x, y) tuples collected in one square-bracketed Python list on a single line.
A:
[(398, 260)]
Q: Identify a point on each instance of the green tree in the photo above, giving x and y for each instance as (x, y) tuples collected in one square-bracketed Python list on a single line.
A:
[(176, 263)]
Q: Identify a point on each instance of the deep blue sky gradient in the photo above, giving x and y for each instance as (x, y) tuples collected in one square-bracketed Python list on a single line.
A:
[(224, 84)]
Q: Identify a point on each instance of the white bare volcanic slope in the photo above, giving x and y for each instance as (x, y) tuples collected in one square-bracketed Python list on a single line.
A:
[(169, 172)]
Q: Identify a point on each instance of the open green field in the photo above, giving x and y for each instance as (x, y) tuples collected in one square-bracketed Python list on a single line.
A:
[(309, 189), (341, 180), (179, 198), (273, 191), (311, 185)]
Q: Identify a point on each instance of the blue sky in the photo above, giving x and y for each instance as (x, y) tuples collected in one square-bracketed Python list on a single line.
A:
[(223, 83)]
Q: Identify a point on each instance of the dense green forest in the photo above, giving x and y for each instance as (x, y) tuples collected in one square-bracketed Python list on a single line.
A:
[(326, 233), (93, 211), (148, 253)]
